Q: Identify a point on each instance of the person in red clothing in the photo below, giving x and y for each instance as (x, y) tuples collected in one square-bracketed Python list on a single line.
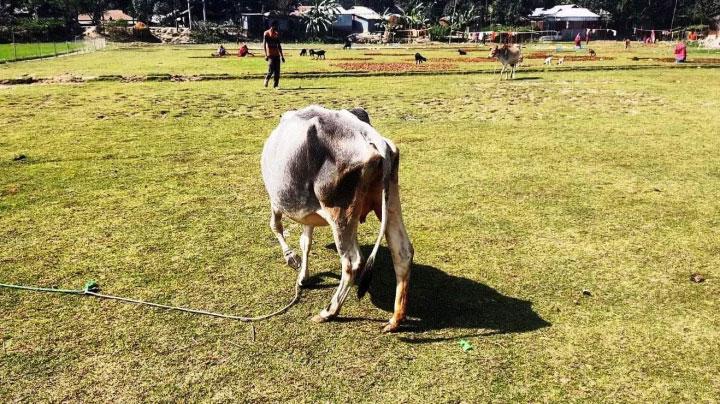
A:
[(578, 41), (273, 53), (244, 51), (680, 52)]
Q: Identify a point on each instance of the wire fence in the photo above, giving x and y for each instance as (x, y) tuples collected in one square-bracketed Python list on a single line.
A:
[(21, 48)]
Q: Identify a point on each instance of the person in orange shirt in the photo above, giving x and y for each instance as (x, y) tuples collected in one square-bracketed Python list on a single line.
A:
[(273, 53)]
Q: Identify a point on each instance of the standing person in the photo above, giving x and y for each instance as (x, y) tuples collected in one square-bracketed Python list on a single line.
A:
[(680, 52), (627, 43), (578, 41), (273, 53)]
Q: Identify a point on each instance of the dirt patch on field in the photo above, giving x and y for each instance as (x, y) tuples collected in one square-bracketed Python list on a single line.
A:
[(536, 55), (693, 60), (387, 54), (394, 67), (351, 59), (459, 59), (568, 58)]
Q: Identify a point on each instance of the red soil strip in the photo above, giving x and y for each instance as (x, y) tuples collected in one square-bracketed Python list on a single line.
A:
[(351, 59), (693, 60), (536, 55), (387, 54), (394, 67), (466, 60), (568, 58)]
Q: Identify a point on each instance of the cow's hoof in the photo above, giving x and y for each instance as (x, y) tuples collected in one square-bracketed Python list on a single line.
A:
[(292, 259), (390, 327), (319, 319)]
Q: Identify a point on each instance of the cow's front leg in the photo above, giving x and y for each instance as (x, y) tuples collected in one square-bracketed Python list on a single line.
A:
[(305, 244), (276, 225), (350, 259)]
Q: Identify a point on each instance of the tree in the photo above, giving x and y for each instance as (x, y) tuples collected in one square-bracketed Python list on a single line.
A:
[(417, 14), (143, 9), (465, 18), (319, 17)]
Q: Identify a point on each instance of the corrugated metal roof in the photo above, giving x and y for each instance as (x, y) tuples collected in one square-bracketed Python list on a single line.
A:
[(364, 12), (565, 11)]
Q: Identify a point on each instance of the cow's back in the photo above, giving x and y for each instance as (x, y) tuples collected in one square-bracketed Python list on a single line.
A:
[(309, 148)]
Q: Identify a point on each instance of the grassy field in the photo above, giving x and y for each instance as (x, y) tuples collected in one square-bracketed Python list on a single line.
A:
[(518, 196), (20, 51), (197, 59)]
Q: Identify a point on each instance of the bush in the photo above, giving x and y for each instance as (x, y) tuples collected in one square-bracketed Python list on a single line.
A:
[(206, 32), (33, 29), (438, 32), (118, 34), (115, 24)]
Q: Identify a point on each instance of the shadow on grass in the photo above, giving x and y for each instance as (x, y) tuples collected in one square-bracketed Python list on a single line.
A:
[(452, 306), (306, 88), (317, 281), (527, 78)]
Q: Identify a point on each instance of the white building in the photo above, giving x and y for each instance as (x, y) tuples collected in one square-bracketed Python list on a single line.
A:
[(567, 19)]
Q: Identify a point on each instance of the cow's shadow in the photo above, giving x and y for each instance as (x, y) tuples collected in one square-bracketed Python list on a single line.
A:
[(456, 306)]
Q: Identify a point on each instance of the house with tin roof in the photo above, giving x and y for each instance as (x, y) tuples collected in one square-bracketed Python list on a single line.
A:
[(568, 20)]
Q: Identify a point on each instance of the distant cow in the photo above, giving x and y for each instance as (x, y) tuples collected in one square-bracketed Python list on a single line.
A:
[(419, 58), (462, 52), (331, 167), (592, 53), (303, 52), (548, 60), (348, 44), (318, 54), (507, 56)]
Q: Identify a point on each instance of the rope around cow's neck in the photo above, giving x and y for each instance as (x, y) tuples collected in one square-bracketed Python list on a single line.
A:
[(91, 288)]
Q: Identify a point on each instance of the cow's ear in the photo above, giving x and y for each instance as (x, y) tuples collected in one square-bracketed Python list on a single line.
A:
[(361, 114)]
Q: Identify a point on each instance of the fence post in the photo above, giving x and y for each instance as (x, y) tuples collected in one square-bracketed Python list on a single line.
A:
[(55, 47), (38, 49), (14, 46)]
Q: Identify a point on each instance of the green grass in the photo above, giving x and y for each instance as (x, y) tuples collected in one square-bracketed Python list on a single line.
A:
[(196, 59), (20, 51), (517, 195)]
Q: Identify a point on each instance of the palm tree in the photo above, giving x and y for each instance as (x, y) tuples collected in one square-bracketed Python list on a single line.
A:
[(319, 17)]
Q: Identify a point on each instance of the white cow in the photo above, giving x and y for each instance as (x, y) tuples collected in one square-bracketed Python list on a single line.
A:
[(331, 167)]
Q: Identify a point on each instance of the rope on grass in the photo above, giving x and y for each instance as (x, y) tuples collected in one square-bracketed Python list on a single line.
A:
[(91, 288)]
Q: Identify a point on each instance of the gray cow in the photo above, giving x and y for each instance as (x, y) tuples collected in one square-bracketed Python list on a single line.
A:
[(331, 167)]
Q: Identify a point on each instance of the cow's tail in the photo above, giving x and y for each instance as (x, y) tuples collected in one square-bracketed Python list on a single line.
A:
[(365, 275)]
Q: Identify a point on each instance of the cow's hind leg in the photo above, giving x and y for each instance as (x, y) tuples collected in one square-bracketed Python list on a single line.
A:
[(305, 244), (402, 255), (276, 225), (350, 259)]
